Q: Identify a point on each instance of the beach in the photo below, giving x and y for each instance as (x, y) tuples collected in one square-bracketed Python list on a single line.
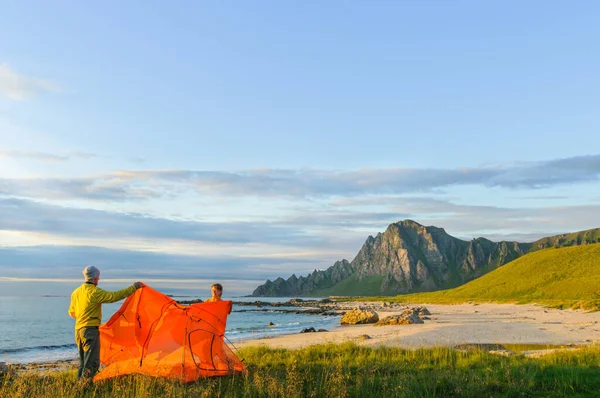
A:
[(452, 325), (448, 326)]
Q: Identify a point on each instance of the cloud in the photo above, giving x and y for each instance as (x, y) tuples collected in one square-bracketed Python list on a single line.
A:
[(524, 224), (18, 87), (302, 184), (310, 232), (95, 189), (66, 262), (309, 238), (45, 157), (137, 159), (29, 216)]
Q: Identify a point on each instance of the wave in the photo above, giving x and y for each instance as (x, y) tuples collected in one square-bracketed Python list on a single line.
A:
[(37, 348)]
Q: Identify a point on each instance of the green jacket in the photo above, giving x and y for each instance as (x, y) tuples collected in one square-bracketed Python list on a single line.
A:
[(87, 300)]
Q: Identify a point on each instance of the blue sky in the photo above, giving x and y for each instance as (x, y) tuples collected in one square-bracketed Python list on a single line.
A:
[(251, 140)]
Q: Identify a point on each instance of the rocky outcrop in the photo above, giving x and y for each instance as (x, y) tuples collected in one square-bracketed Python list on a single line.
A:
[(305, 285), (407, 317), (399, 320), (422, 311), (409, 257), (312, 330), (359, 316)]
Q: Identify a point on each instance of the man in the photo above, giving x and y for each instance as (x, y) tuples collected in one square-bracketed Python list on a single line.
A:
[(86, 308), (216, 291)]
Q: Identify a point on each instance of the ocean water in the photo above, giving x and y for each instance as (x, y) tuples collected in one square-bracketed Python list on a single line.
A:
[(36, 327)]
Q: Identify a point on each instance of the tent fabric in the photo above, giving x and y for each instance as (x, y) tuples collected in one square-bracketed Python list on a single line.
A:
[(153, 335)]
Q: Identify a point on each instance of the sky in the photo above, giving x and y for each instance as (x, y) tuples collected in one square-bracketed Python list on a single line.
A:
[(242, 141)]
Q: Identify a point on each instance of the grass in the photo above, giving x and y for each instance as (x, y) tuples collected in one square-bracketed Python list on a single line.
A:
[(347, 370), (575, 238), (555, 277)]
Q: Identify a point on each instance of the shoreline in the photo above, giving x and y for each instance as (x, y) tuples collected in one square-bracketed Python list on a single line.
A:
[(448, 326)]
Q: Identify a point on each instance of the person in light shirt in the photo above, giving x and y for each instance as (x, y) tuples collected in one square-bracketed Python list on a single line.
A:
[(216, 291)]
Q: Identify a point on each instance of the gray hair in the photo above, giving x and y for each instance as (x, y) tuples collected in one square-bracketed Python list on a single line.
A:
[(90, 272)]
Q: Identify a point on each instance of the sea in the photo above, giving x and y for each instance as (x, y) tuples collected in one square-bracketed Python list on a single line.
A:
[(35, 326)]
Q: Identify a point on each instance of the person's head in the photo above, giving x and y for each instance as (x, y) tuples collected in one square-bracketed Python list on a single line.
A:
[(216, 290), (91, 274)]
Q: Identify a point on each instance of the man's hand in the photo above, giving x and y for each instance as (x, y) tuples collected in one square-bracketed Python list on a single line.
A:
[(137, 285)]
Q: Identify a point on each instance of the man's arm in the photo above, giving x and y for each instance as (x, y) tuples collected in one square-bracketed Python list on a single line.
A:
[(103, 296), (72, 308)]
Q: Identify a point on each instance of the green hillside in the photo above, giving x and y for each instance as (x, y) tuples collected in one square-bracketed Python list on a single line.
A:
[(572, 239), (559, 277)]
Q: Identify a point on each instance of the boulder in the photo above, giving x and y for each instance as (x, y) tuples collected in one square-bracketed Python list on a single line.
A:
[(5, 370), (404, 319), (363, 337), (322, 330), (422, 311), (308, 330), (412, 311), (271, 324), (359, 316)]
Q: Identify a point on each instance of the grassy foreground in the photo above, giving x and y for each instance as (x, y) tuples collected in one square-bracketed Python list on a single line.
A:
[(556, 277), (347, 370)]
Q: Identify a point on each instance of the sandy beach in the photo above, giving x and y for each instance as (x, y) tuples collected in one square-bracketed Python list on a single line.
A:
[(452, 325)]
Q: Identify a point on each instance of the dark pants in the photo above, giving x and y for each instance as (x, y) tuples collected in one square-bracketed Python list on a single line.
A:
[(88, 343)]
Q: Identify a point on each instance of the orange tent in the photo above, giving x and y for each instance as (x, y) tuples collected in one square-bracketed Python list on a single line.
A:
[(154, 335)]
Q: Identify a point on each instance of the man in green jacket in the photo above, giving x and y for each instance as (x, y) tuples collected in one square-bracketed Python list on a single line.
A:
[(86, 308)]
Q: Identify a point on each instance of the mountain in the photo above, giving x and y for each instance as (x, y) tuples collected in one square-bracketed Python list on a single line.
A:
[(566, 276), (409, 257)]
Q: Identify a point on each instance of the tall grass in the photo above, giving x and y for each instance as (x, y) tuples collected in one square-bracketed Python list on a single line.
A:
[(347, 370)]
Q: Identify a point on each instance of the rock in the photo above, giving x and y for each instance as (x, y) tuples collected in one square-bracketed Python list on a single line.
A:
[(423, 311), (418, 311), (326, 301), (308, 330), (6, 370), (405, 319), (271, 324), (322, 330), (363, 337), (194, 301), (358, 316)]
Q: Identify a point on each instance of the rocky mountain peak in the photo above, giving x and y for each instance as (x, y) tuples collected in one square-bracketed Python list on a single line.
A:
[(409, 257)]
